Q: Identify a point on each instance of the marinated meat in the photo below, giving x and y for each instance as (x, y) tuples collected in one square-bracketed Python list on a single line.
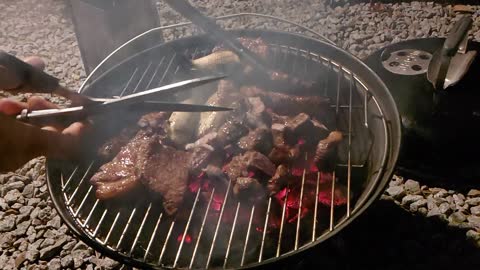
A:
[(122, 174), (237, 167), (166, 172), (154, 120), (279, 180), (259, 139), (248, 188), (285, 104), (215, 173), (325, 148), (284, 154), (210, 139), (257, 46), (259, 162), (231, 131), (112, 146), (257, 116), (200, 158)]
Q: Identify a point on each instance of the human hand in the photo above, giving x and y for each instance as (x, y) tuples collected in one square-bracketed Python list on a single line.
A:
[(20, 142)]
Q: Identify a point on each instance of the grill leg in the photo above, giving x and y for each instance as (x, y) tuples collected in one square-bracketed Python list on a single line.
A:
[(102, 26)]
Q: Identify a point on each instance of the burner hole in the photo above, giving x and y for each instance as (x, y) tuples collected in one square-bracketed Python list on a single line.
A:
[(401, 53), (416, 67), (394, 64), (424, 56)]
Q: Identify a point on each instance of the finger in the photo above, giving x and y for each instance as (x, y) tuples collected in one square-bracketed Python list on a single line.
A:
[(39, 103), (76, 129), (11, 107), (35, 61), (52, 128)]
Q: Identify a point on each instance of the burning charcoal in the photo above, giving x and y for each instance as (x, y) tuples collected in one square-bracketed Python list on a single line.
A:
[(248, 188), (339, 196), (231, 131), (284, 104), (279, 180), (166, 172), (326, 147), (259, 140), (259, 162)]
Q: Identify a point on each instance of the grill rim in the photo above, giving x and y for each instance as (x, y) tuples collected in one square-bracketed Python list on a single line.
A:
[(393, 140)]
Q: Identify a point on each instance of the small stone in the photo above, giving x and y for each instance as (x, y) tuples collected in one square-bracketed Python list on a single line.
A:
[(422, 211), (407, 200), (47, 242), (16, 206), (28, 191), (67, 261), (89, 267), (80, 246), (415, 205), (473, 201), (474, 221), (435, 212), (19, 260), (55, 222), (105, 263), (69, 245), (3, 204), (21, 228), (51, 234), (396, 181), (7, 224), (458, 200), (475, 210), (33, 201), (54, 264), (396, 192), (35, 212), (473, 193), (412, 187), (51, 251), (12, 197), (463, 9), (78, 257), (18, 185), (474, 235), (32, 255), (457, 217), (442, 193), (444, 208)]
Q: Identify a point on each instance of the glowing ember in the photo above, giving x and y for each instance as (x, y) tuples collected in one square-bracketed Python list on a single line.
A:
[(187, 240), (325, 197), (251, 174)]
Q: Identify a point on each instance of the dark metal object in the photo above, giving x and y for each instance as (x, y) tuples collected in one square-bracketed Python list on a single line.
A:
[(18, 76), (72, 114), (440, 128), (440, 63), (138, 234)]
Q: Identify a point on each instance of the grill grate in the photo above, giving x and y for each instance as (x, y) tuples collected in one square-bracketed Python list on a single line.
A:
[(142, 235)]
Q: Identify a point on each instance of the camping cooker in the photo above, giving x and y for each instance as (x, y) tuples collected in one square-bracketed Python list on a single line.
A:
[(137, 233)]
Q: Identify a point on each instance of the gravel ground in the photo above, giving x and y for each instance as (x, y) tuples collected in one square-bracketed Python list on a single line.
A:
[(32, 236)]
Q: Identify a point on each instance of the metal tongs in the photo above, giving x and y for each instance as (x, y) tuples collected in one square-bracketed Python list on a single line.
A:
[(18, 76)]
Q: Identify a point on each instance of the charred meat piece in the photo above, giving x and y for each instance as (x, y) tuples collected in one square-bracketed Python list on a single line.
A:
[(302, 127), (215, 173), (257, 116), (210, 139), (259, 139), (325, 148), (154, 120), (237, 167), (166, 173), (281, 154), (231, 131), (288, 104), (257, 46), (200, 158), (112, 146), (279, 180), (122, 173), (258, 162), (248, 188)]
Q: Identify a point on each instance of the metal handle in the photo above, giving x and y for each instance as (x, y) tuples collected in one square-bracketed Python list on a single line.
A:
[(16, 75)]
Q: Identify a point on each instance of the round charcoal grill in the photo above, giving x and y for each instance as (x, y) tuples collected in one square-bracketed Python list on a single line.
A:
[(136, 232)]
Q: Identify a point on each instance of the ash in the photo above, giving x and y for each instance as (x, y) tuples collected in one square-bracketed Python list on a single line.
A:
[(412, 225)]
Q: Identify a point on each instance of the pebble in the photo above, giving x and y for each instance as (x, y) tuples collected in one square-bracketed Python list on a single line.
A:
[(13, 196), (54, 264), (473, 193), (32, 255), (55, 222), (412, 187), (51, 251), (21, 228), (397, 192), (28, 191), (410, 199), (3, 204), (475, 210), (457, 218), (415, 205), (473, 201), (7, 224), (67, 261), (18, 185)]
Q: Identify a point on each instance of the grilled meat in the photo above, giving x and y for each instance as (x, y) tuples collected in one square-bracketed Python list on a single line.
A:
[(200, 158), (257, 116), (279, 180), (325, 148), (231, 131), (256, 161), (285, 104), (248, 188), (259, 139), (122, 174), (166, 172)]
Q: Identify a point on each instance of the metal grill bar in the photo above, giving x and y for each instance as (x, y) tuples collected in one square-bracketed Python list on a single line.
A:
[(129, 81), (140, 229), (155, 72), (202, 227), (225, 200), (349, 168), (141, 78), (315, 211), (153, 236), (90, 213), (166, 242), (300, 205), (126, 228), (80, 183), (99, 223), (69, 178), (248, 235), (332, 201), (282, 222), (227, 253), (83, 201), (111, 228), (186, 228), (265, 227), (167, 69)]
